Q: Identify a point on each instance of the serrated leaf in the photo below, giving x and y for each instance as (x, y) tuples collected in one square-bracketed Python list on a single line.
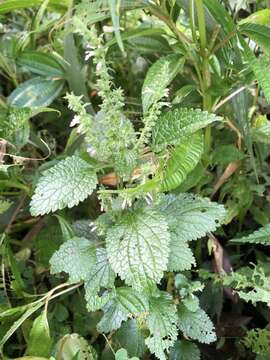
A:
[(176, 125), (196, 325), (158, 77), (184, 350), (64, 185), (183, 160), (191, 216), (261, 236), (161, 321), (138, 247), (257, 32), (125, 303), (40, 342), (76, 257), (100, 276), (41, 63), (181, 257), (36, 92)]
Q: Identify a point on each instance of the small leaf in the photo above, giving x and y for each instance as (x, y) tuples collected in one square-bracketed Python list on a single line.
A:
[(39, 339), (138, 247), (176, 125), (76, 257), (184, 159), (261, 236), (64, 185), (125, 303), (184, 350), (158, 77), (196, 325), (36, 92)]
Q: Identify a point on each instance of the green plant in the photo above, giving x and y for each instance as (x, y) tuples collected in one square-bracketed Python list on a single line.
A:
[(130, 133)]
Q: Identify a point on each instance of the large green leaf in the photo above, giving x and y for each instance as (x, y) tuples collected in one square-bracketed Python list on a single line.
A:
[(176, 125), (41, 63), (36, 92), (40, 342), (138, 247), (64, 185), (190, 216), (196, 325), (74, 347), (183, 160), (76, 257), (261, 236), (161, 322), (158, 77)]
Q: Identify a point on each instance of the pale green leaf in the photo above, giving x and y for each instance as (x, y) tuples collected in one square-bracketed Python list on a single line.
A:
[(64, 185), (184, 350), (161, 321), (176, 125), (190, 216), (261, 236), (183, 160), (138, 247), (76, 257), (100, 276), (181, 257), (40, 342), (196, 325), (158, 77), (122, 354), (4, 205)]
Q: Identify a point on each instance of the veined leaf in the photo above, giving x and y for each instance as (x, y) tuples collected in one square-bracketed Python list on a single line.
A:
[(138, 247), (261, 236), (41, 63), (183, 160), (184, 350), (176, 125), (64, 185), (101, 276), (161, 321), (36, 92), (191, 216), (74, 347), (125, 303), (39, 339), (158, 77), (76, 257), (122, 354), (196, 325), (261, 17)]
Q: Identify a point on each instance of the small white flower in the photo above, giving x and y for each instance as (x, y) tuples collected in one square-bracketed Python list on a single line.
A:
[(108, 29), (91, 151), (79, 129), (88, 54), (75, 121), (99, 66)]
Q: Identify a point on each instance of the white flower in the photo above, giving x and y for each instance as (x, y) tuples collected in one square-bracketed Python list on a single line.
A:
[(88, 54), (107, 29), (75, 121), (91, 151), (99, 66)]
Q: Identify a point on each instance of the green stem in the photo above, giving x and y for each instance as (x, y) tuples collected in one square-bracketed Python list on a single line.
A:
[(201, 23)]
